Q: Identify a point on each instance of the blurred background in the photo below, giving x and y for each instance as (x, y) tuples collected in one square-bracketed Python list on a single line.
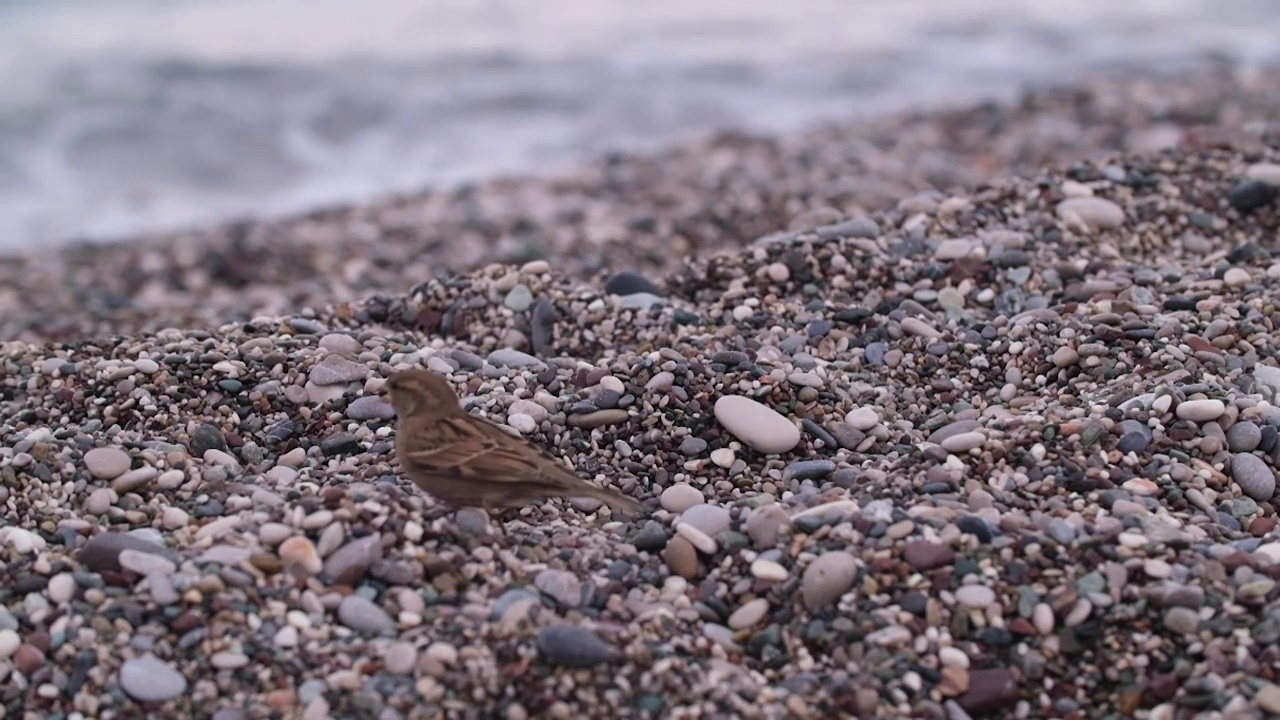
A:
[(121, 117)]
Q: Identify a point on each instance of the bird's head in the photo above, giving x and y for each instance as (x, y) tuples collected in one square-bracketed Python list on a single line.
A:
[(420, 391)]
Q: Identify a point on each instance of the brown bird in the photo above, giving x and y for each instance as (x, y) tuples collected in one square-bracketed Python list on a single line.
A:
[(467, 461)]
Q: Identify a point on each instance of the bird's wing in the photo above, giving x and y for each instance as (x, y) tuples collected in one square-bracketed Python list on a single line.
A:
[(469, 448)]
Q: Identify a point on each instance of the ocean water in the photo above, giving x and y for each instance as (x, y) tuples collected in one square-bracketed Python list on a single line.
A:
[(120, 117)]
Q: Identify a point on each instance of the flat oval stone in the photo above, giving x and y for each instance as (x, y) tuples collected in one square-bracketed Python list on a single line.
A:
[(863, 418), (150, 679), (749, 614), (1200, 410), (680, 497), (827, 578), (963, 442), (571, 646), (107, 463), (710, 519), (1254, 476), (1095, 212), (756, 425)]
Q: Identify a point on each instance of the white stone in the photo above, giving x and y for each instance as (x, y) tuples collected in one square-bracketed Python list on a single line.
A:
[(756, 425)]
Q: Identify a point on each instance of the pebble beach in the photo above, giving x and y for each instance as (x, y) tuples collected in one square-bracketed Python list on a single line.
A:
[(969, 413)]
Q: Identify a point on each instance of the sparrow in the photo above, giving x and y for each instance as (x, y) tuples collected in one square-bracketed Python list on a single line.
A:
[(466, 461)]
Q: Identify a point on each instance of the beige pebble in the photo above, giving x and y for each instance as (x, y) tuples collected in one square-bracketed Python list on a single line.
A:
[(400, 658), (827, 578), (697, 538), (863, 418), (756, 424), (978, 597), (749, 614), (680, 497), (61, 588), (723, 457), (107, 463), (1235, 277), (274, 533), (768, 570), (100, 500), (1042, 618), (1200, 410), (174, 517)]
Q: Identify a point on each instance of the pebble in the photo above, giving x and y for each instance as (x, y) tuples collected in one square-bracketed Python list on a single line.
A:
[(963, 442), (134, 479), (144, 562), (749, 614), (723, 457), (336, 370), (100, 501), (299, 554), (681, 557), (680, 497), (562, 586), (1200, 410), (699, 539), (106, 463), (572, 646), (9, 643), (768, 570), (1244, 436), (1096, 213), (756, 425), (1254, 476), (1181, 620), (364, 616), (62, 588), (349, 563), (827, 578), (102, 551), (400, 658), (863, 418), (629, 282), (978, 597), (149, 679), (370, 407), (707, 518), (765, 525), (510, 358)]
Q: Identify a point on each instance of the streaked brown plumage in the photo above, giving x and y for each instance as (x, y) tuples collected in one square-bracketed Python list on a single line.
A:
[(464, 460)]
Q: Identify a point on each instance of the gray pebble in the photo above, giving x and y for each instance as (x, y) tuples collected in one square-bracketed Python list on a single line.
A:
[(519, 299), (560, 585), (149, 679), (102, 551), (651, 537), (710, 519), (509, 357), (571, 646), (370, 407), (1244, 436), (207, 437), (808, 469), (692, 446), (629, 282), (337, 370), (1254, 476), (364, 616)]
